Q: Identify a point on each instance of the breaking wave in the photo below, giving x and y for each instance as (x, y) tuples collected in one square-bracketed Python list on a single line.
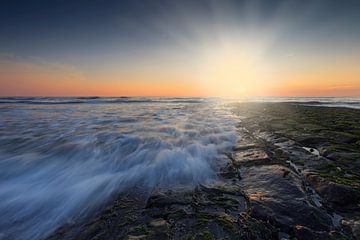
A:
[(61, 161)]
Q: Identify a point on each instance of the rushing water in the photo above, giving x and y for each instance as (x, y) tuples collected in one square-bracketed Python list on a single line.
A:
[(62, 157)]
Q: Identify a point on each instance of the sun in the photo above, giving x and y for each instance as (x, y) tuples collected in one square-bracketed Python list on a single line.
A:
[(234, 68)]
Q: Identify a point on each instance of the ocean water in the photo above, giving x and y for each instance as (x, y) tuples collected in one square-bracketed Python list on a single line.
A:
[(61, 158), (347, 102)]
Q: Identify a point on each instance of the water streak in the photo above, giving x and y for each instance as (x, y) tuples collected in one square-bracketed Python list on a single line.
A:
[(60, 161)]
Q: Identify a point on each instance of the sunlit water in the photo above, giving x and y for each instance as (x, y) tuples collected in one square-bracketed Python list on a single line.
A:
[(61, 158)]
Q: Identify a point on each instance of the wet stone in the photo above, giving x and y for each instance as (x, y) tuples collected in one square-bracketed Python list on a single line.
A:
[(164, 197), (354, 226), (220, 198), (250, 155), (303, 158), (304, 233), (232, 174), (338, 196), (139, 237), (312, 141), (276, 195), (246, 146), (159, 225)]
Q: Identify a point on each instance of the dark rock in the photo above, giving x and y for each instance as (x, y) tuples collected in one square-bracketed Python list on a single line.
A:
[(337, 196), (304, 233), (286, 172), (341, 155), (343, 138), (256, 229), (283, 236), (139, 237), (252, 156), (231, 174), (164, 197), (313, 141), (354, 226), (219, 198), (280, 199), (222, 188), (159, 225), (243, 147)]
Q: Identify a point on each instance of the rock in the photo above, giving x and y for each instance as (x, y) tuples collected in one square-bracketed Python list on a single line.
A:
[(222, 188), (313, 141), (341, 155), (304, 233), (252, 156), (219, 198), (281, 199), (343, 138), (140, 237), (256, 229), (230, 174), (334, 195), (283, 236), (159, 225), (302, 157), (240, 147), (354, 226), (163, 197)]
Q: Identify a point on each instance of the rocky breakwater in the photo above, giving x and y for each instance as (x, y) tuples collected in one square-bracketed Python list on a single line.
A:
[(309, 184)]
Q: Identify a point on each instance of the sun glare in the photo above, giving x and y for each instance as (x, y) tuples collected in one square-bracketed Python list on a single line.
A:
[(235, 68)]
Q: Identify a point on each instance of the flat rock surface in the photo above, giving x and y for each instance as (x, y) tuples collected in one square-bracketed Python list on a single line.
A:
[(276, 194)]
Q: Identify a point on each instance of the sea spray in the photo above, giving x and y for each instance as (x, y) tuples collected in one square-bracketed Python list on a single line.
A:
[(60, 159)]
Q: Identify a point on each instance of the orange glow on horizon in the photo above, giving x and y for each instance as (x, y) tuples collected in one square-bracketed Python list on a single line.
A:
[(221, 79)]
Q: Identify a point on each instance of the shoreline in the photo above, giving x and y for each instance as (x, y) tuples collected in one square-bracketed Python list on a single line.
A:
[(293, 173)]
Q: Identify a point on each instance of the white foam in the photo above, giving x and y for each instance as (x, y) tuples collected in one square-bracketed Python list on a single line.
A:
[(58, 162)]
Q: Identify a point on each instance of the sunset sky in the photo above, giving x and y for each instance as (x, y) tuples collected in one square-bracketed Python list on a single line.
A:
[(180, 48)]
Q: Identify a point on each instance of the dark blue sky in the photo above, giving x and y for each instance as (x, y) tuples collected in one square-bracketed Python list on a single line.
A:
[(60, 28)]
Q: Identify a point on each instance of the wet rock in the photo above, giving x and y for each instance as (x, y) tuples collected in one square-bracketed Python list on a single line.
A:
[(283, 236), (304, 158), (281, 199), (337, 196), (220, 198), (304, 233), (223, 188), (252, 156), (346, 138), (341, 155), (312, 141), (140, 237), (283, 142), (256, 229), (232, 173), (354, 226), (159, 225), (164, 197), (242, 147)]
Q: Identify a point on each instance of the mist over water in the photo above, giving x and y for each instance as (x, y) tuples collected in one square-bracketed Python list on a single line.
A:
[(60, 158)]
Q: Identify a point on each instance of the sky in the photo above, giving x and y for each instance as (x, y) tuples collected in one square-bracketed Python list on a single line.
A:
[(180, 48)]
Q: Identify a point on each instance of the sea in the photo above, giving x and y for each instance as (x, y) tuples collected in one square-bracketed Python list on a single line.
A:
[(63, 157)]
